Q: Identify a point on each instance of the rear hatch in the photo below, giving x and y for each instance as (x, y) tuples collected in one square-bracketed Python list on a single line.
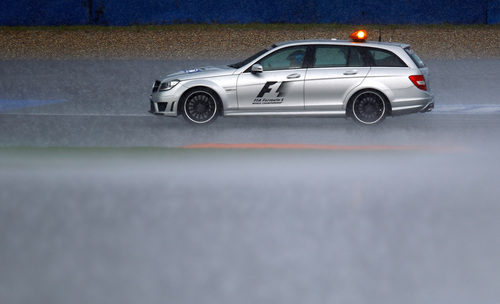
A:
[(420, 64)]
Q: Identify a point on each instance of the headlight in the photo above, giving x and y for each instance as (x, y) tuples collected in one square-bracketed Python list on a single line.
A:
[(167, 85)]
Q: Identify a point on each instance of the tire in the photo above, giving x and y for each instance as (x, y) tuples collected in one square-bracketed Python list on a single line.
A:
[(200, 106), (368, 108)]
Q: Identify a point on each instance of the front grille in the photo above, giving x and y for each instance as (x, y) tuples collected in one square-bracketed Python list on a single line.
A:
[(156, 85), (162, 106)]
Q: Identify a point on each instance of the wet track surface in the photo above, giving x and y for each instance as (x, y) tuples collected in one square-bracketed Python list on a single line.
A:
[(105, 103), (98, 204)]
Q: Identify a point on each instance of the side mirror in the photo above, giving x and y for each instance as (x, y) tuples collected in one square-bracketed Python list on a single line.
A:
[(257, 68)]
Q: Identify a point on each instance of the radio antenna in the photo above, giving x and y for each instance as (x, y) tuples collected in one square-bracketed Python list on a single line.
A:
[(393, 31)]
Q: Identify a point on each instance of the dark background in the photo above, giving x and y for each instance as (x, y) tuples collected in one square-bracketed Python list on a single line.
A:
[(129, 12)]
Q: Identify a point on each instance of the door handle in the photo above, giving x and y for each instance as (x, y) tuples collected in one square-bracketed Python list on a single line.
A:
[(352, 72), (291, 76)]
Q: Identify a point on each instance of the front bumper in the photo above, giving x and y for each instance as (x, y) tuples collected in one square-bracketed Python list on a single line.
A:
[(163, 108), (165, 102)]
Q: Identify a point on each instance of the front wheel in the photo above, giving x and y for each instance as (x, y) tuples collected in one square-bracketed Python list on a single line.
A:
[(368, 108), (200, 106)]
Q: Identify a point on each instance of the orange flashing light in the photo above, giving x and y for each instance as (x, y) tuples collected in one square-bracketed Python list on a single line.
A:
[(358, 36)]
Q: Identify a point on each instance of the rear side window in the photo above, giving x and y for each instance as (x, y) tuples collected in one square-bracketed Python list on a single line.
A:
[(356, 58), (384, 58), (327, 56), (331, 56), (420, 64)]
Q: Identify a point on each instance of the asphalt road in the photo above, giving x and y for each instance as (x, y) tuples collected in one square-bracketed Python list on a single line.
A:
[(100, 202)]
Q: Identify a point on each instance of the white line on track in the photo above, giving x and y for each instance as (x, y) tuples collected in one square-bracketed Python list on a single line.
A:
[(78, 114), (439, 109), (467, 109)]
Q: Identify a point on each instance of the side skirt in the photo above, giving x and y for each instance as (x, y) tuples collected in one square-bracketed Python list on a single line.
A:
[(286, 113)]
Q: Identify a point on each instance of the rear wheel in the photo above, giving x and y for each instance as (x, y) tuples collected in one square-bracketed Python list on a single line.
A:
[(200, 106), (368, 108)]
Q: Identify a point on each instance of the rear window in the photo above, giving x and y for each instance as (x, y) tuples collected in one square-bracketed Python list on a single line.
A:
[(384, 58), (420, 64)]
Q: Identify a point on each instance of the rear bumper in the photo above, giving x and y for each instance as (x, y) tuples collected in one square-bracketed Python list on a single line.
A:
[(429, 107), (421, 105)]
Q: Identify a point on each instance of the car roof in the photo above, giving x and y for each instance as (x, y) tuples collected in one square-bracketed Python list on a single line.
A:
[(381, 44)]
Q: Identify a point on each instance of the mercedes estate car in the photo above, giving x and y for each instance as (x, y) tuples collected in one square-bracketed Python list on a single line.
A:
[(363, 80)]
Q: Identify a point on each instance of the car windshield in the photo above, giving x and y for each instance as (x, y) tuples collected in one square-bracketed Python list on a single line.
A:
[(251, 58)]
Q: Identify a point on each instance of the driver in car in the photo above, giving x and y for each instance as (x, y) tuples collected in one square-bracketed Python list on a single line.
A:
[(296, 59)]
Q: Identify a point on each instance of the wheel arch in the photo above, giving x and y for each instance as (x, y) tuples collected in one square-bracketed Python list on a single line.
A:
[(193, 88), (355, 93)]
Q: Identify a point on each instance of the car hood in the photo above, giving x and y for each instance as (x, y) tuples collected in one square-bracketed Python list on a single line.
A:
[(210, 71)]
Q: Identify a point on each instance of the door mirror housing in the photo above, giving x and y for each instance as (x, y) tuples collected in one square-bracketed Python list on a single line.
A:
[(257, 68)]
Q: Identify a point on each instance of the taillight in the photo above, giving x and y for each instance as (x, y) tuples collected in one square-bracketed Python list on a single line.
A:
[(419, 81)]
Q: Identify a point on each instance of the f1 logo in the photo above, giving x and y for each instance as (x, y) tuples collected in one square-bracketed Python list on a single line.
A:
[(267, 89)]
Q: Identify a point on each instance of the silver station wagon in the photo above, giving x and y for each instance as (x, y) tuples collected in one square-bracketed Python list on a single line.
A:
[(355, 78)]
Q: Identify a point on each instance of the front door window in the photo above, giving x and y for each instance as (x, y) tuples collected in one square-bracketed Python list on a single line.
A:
[(285, 59)]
